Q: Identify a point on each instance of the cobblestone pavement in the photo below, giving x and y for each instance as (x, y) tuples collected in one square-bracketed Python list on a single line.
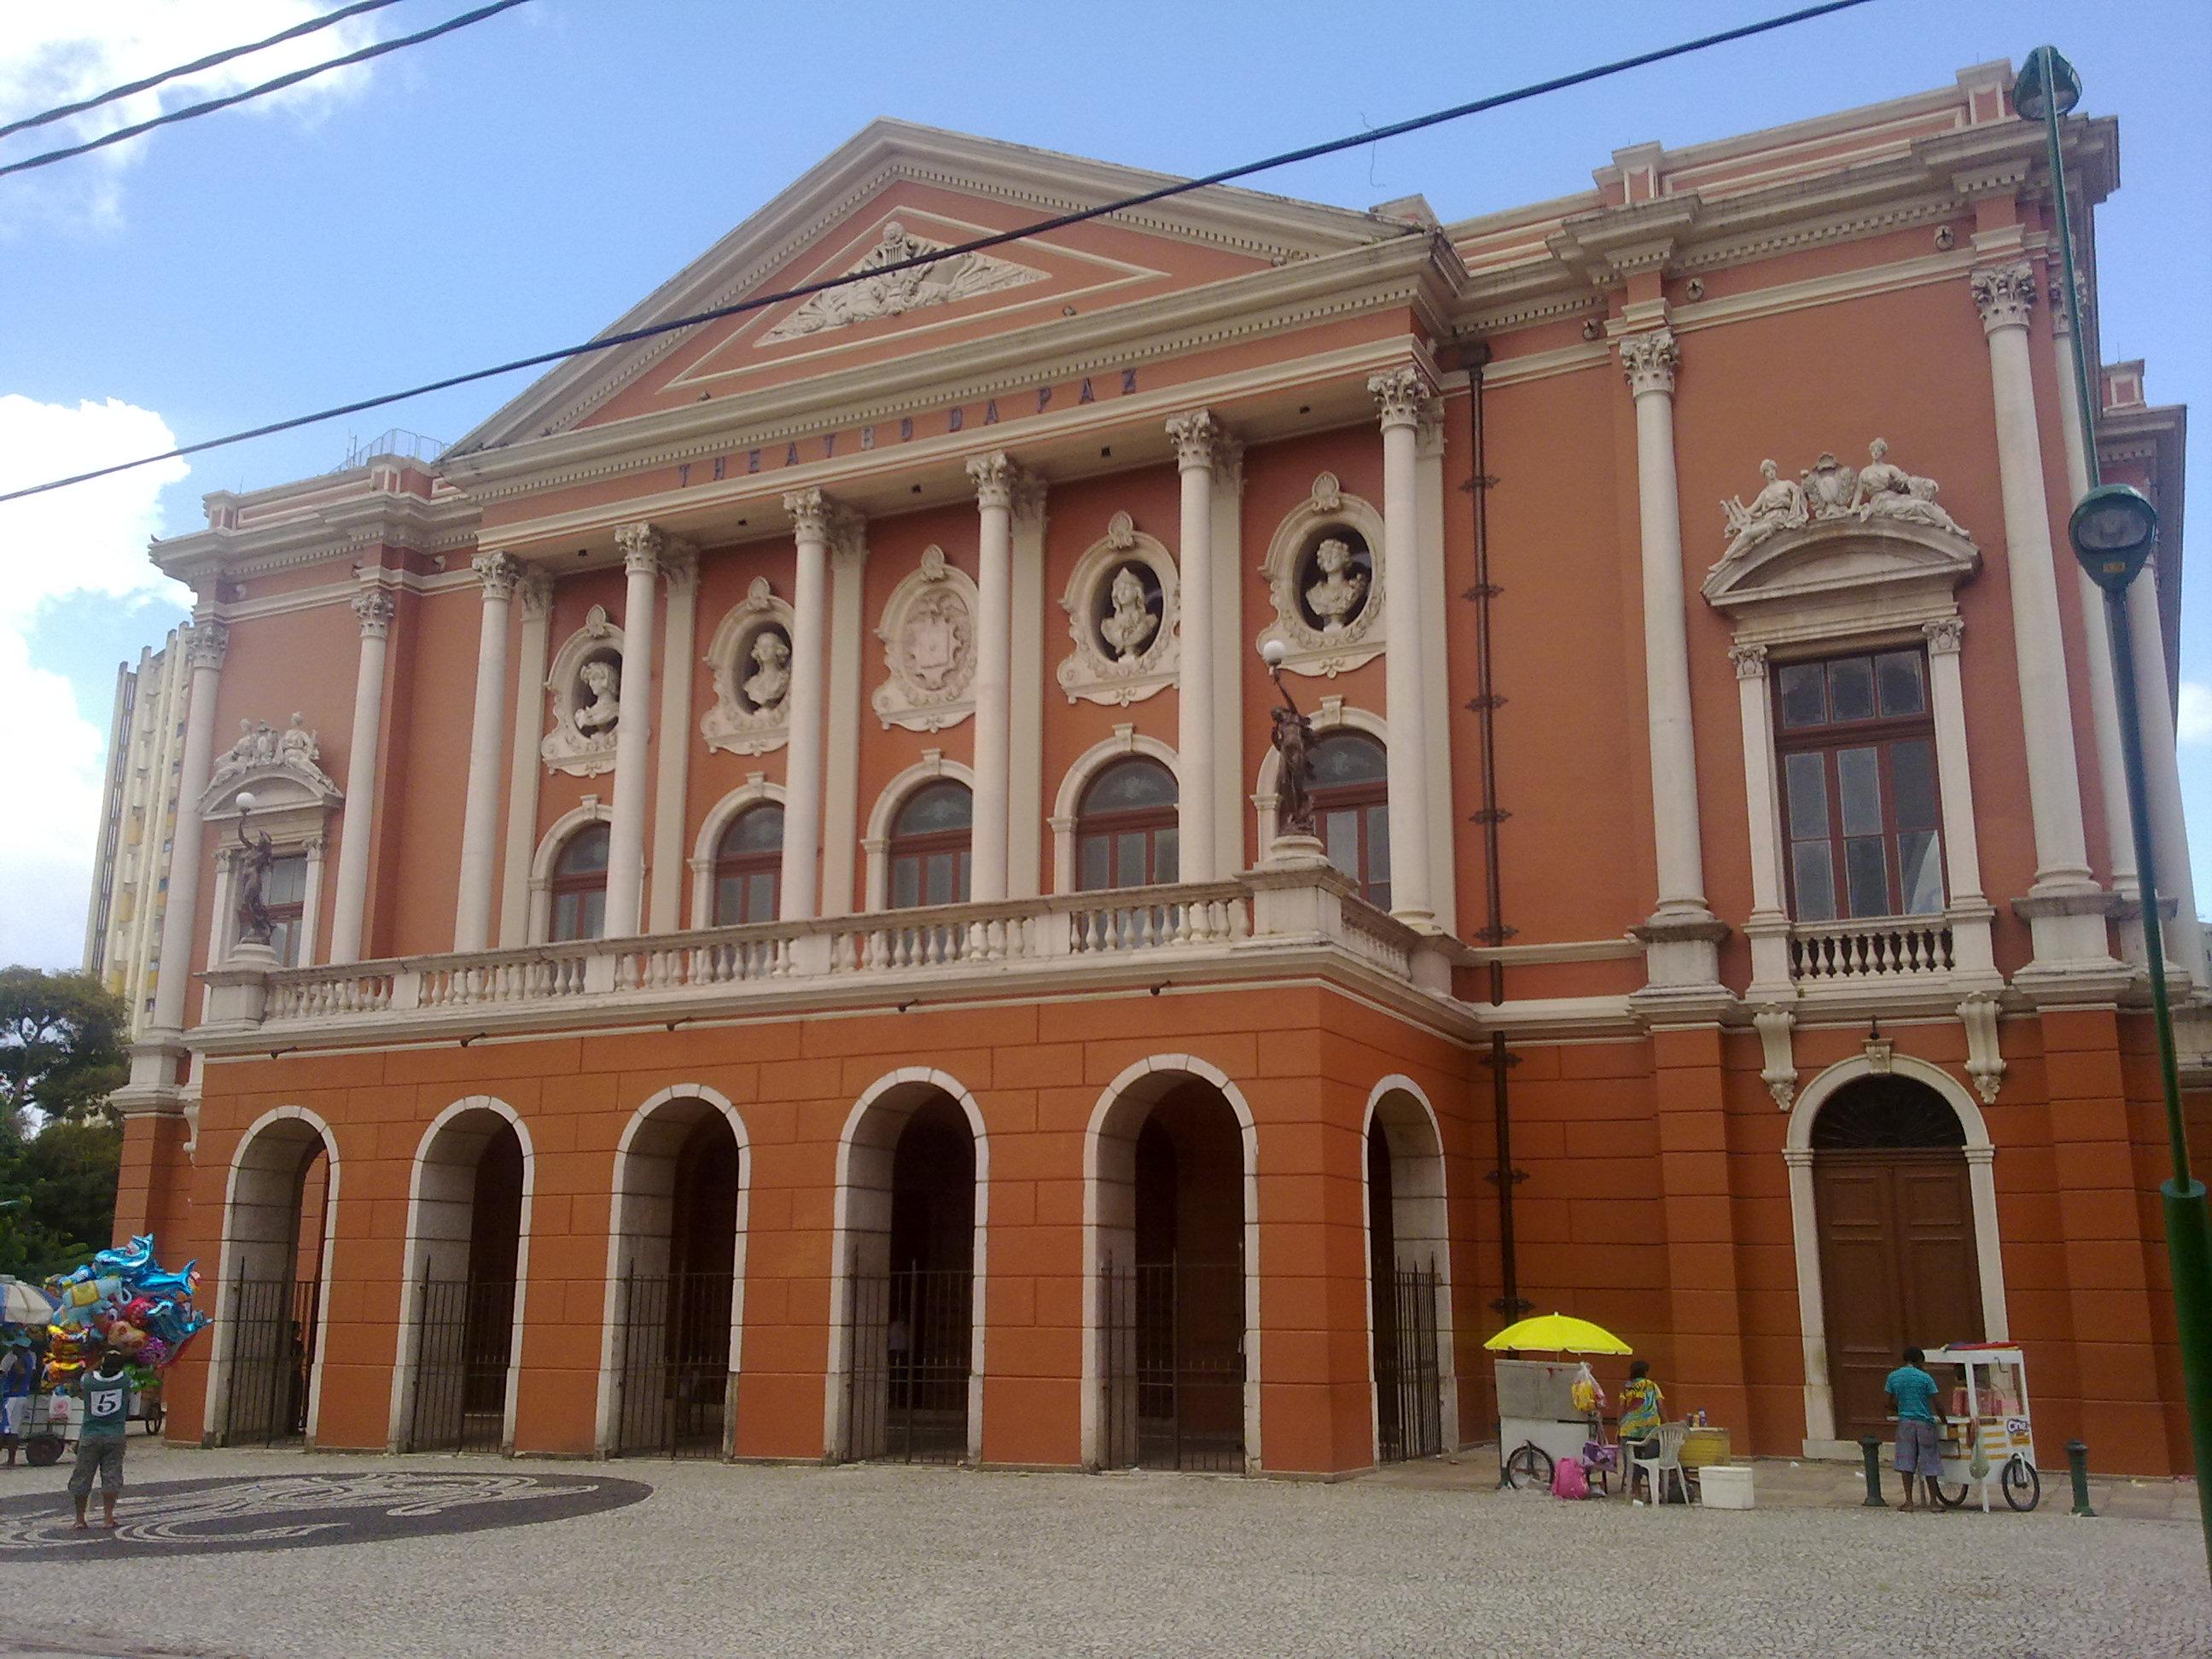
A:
[(888, 1560)]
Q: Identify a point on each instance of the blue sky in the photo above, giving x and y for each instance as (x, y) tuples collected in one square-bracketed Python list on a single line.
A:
[(516, 185)]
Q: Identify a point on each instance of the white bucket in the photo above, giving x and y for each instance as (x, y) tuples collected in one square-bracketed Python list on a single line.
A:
[(1726, 1485)]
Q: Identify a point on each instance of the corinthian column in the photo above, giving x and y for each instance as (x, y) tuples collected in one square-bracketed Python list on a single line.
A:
[(811, 522), (209, 644), (841, 785), (526, 766), (680, 569), (642, 545), (995, 476), (2063, 909), (1198, 437), (1401, 395), (357, 827), (479, 816)]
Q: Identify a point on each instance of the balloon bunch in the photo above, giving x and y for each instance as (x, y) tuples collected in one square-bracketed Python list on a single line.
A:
[(121, 1299)]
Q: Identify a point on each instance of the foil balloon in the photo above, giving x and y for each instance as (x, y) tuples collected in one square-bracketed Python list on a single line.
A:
[(133, 1258), (126, 1339), (158, 1283), (154, 1353)]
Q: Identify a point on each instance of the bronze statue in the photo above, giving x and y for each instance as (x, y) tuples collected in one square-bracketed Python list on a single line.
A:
[(1293, 740), (254, 926)]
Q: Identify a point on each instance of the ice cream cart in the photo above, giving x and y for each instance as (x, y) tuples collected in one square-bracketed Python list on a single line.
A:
[(1987, 1436)]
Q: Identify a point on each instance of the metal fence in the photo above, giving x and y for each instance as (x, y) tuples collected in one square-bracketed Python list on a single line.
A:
[(672, 1359), (1171, 1366), (463, 1343), (1408, 1377), (272, 1334), (907, 1395)]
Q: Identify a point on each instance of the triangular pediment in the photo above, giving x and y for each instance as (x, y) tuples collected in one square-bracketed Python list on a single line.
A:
[(897, 193)]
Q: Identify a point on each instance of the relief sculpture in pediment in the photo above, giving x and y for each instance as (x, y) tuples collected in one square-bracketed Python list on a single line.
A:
[(898, 287)]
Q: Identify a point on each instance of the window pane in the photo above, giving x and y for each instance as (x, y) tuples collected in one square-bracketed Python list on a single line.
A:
[(586, 851), (1167, 862), (1858, 784), (1804, 702), (1912, 776), (729, 900), (1129, 859), (756, 829), (1094, 863), (1815, 874), (1340, 831), (1128, 784), (284, 941), (761, 902), (1343, 757), (945, 806), (906, 883), (1920, 868), (564, 916), (1806, 779), (1866, 868), (937, 879), (595, 913), (1850, 689), (1897, 675), (287, 881), (961, 890), (1378, 843)]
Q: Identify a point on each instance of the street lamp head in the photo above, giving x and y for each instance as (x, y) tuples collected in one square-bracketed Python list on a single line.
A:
[(2112, 530), (2045, 81), (245, 800), (1273, 653)]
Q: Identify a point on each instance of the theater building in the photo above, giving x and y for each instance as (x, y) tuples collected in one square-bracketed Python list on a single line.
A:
[(782, 946)]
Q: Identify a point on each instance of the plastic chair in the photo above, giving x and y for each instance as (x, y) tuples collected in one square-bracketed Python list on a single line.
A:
[(1655, 1456)]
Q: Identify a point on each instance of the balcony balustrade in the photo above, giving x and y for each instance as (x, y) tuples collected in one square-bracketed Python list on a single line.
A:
[(1861, 949)]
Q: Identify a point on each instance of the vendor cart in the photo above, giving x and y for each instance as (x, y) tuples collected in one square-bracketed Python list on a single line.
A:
[(1537, 1422), (40, 1424), (1990, 1413)]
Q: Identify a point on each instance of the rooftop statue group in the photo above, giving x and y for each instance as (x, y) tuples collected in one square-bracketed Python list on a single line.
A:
[(1828, 490)]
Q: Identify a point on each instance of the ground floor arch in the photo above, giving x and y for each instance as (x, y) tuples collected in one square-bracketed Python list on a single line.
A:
[(675, 1297), (466, 1266), (279, 1220), (1416, 1386), (907, 1332)]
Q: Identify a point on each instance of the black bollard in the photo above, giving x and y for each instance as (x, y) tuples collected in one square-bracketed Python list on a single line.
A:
[(1872, 1447), (2077, 1462)]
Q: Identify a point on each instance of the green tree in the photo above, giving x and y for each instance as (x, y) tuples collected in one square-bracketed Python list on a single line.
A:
[(61, 1046), (64, 1177)]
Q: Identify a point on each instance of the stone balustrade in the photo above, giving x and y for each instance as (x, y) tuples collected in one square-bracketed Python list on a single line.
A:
[(1871, 948)]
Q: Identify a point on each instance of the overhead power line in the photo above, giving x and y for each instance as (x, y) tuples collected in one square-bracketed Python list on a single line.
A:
[(627, 336), (48, 157), (209, 62)]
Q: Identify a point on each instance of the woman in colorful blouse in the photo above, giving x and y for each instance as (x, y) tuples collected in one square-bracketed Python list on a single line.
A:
[(1642, 1405)]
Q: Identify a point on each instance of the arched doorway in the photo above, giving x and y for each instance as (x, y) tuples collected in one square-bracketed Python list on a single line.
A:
[(462, 1328), (278, 1220), (907, 1363), (675, 1279), (1894, 1210), (1409, 1278), (1171, 1158)]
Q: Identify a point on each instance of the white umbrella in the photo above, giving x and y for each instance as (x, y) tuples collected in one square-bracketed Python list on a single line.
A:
[(22, 1303)]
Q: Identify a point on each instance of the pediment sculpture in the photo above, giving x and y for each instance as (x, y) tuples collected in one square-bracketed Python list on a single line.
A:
[(269, 760), (586, 681), (750, 662), (894, 292), (1122, 605), (928, 631), (1324, 571)]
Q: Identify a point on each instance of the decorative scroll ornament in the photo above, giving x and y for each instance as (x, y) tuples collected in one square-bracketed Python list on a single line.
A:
[(1122, 605), (887, 293), (1325, 575), (586, 681), (750, 661), (928, 632)]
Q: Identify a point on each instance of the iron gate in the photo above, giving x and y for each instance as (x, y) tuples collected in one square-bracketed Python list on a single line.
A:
[(912, 1352), (673, 1364), (464, 1339), (1408, 1378), (1171, 1366), (273, 1356)]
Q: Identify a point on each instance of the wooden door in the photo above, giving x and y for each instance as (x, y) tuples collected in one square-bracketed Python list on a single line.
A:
[(1898, 1268)]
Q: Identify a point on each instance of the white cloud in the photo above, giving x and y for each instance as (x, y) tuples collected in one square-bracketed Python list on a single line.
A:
[(90, 538), (2193, 718), (54, 53)]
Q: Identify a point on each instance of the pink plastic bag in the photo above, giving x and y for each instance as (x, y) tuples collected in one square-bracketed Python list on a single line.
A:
[(1568, 1480)]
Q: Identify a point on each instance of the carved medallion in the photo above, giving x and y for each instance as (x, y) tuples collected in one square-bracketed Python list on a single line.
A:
[(928, 632), (750, 663), (1324, 573), (1122, 605), (586, 681)]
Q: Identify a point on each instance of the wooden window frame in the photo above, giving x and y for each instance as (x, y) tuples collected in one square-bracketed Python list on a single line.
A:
[(742, 866), (1109, 825), (575, 883), (916, 849), (1361, 797)]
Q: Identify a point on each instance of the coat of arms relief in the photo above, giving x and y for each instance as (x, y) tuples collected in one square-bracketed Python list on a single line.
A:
[(928, 632), (898, 287)]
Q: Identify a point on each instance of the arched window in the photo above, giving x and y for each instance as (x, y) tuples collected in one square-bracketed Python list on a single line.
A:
[(580, 885), (1125, 828), (930, 838), (1352, 808), (747, 861), (285, 892)]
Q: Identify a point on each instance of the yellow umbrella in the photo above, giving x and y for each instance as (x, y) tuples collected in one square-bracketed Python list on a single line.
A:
[(1561, 1333)]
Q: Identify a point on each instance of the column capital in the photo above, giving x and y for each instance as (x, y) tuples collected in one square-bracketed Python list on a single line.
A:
[(995, 476), (1650, 360), (1198, 436), (2005, 294), (537, 595), (2062, 315), (679, 566), (1429, 431), (1400, 393), (810, 514), (211, 643), (1943, 635), (1750, 661), (498, 573), (374, 607), (642, 545)]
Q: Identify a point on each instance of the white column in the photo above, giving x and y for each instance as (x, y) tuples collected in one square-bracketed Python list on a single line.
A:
[(1401, 394), (811, 515), (311, 904), (680, 569), (841, 793), (487, 731), (1435, 606), (1025, 708), (2097, 644), (1198, 438), (995, 476), (2005, 295), (1962, 859), (2169, 831), (1229, 782), (526, 767), (357, 826), (641, 545), (210, 643), (1768, 924)]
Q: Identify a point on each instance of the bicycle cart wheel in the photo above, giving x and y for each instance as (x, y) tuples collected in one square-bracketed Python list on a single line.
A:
[(1529, 1469), (1950, 1497), (2023, 1487), (156, 1414), (42, 1449)]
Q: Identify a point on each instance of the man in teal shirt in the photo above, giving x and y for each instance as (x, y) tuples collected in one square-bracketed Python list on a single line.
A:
[(1912, 1392), (101, 1440)]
